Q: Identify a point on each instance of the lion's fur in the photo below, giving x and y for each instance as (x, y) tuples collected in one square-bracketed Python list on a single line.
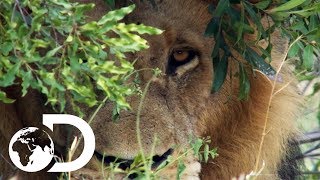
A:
[(176, 107)]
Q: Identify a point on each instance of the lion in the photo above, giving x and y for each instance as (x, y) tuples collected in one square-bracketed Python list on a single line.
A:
[(180, 103)]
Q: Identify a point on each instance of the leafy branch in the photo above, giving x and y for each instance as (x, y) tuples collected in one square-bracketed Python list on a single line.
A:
[(142, 168), (232, 20), (52, 48)]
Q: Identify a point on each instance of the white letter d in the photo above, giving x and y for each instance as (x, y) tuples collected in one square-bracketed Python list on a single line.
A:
[(88, 137)]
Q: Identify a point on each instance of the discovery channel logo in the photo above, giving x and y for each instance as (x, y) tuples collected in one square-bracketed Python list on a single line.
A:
[(32, 149)]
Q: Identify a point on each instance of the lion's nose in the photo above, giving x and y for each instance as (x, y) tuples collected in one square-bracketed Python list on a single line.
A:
[(126, 163)]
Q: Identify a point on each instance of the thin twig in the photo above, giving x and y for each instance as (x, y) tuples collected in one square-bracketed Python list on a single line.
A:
[(89, 122), (147, 173), (22, 14), (264, 131), (309, 155), (175, 160), (92, 118), (13, 11), (311, 172), (312, 149), (309, 137), (287, 84)]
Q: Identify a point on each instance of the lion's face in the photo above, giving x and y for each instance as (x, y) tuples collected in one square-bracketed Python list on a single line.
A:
[(175, 101), (179, 103)]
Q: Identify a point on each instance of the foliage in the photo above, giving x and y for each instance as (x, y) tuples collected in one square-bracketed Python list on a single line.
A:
[(234, 19), (198, 147), (51, 47)]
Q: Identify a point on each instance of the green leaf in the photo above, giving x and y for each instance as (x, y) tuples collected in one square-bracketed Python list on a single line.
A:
[(262, 4), (196, 145), (300, 26), (220, 71), (49, 79), (53, 51), (9, 77), (26, 80), (116, 15), (213, 153), (222, 6), (6, 48), (180, 169), (23, 32), (206, 153), (308, 57), (244, 83), (69, 38), (91, 26), (280, 16), (74, 64), (40, 43), (314, 37), (66, 5), (288, 5), (314, 22), (293, 51), (266, 52), (256, 20), (258, 62), (246, 28), (81, 9), (62, 101), (142, 29), (3, 98), (115, 113), (138, 159), (240, 29), (37, 21), (304, 14), (212, 27)]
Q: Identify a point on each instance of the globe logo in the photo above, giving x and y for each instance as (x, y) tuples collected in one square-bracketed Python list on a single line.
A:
[(31, 149)]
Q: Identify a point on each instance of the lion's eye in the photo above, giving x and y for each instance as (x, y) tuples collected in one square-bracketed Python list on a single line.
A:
[(180, 57)]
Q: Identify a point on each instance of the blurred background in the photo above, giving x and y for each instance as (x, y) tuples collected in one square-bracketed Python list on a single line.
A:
[(309, 124)]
